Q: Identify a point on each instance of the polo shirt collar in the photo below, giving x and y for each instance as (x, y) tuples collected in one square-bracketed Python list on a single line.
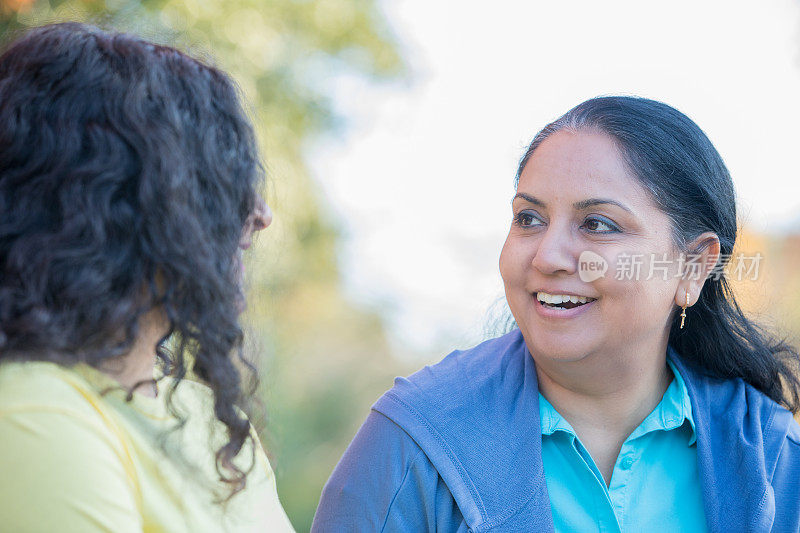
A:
[(674, 408)]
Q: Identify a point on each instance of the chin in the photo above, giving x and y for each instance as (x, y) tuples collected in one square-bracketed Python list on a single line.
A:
[(241, 301), (555, 346), (561, 353)]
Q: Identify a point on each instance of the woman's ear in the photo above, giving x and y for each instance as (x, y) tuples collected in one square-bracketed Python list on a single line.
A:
[(697, 265)]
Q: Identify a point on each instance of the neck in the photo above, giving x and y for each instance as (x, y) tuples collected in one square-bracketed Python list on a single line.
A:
[(603, 393), (135, 370)]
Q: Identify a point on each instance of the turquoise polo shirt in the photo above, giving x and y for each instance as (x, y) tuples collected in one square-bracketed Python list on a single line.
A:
[(655, 485)]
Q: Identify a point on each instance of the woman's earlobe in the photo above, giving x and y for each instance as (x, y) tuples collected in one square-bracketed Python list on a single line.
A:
[(684, 296)]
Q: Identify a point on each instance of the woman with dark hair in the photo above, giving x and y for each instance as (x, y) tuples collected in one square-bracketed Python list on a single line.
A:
[(129, 179), (624, 399)]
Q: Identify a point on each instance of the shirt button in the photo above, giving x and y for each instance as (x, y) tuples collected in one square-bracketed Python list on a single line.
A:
[(626, 463)]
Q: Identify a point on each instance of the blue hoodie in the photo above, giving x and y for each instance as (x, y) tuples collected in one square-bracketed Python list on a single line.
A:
[(456, 447)]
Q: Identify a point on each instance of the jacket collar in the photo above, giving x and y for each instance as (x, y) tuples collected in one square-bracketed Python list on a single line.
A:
[(672, 410), (476, 416), (739, 434)]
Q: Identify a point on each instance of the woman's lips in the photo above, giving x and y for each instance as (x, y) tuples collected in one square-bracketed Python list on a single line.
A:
[(553, 312)]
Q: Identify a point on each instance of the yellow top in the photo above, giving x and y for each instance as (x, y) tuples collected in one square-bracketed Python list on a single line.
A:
[(75, 460)]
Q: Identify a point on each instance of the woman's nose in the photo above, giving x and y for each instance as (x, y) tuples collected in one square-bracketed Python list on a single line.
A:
[(262, 215), (554, 254)]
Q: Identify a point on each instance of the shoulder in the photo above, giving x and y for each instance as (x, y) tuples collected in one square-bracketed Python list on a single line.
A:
[(470, 394), (784, 481), (49, 404), (383, 477), (790, 444), (473, 372), (380, 454), (751, 413), (189, 395), (58, 453), (474, 414), (734, 411), (733, 405), (480, 363), (44, 386)]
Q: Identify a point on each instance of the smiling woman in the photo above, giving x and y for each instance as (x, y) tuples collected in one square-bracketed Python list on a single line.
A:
[(604, 409), (539, 256)]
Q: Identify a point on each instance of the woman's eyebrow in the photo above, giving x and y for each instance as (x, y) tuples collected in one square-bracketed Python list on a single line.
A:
[(583, 204)]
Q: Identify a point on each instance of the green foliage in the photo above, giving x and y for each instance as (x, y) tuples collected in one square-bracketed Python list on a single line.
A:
[(323, 360)]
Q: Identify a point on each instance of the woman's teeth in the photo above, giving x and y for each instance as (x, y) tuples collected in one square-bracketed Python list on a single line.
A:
[(562, 301)]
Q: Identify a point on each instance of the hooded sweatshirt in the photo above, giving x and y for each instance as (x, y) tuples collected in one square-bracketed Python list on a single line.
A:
[(456, 447)]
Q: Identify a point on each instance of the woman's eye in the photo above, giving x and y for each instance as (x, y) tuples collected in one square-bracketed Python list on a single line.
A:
[(592, 224), (525, 219)]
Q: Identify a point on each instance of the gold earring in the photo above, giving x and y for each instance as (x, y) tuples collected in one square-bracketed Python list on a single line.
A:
[(683, 313)]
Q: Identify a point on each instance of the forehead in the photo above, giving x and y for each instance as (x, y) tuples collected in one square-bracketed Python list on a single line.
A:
[(577, 165)]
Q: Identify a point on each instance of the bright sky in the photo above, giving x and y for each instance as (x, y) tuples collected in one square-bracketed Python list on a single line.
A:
[(422, 178)]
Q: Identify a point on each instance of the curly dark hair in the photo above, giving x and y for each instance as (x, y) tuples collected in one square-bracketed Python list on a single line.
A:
[(128, 171)]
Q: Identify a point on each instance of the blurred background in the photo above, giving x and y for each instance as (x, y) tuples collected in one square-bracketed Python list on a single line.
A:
[(391, 131)]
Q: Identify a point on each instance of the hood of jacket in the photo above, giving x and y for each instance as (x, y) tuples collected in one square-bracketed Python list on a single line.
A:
[(475, 414)]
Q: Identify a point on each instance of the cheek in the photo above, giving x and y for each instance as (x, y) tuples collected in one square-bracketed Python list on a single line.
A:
[(628, 278), (605, 285), (638, 304), (512, 262)]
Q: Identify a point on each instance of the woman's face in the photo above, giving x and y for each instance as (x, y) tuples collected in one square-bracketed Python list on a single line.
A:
[(557, 247), (259, 219)]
